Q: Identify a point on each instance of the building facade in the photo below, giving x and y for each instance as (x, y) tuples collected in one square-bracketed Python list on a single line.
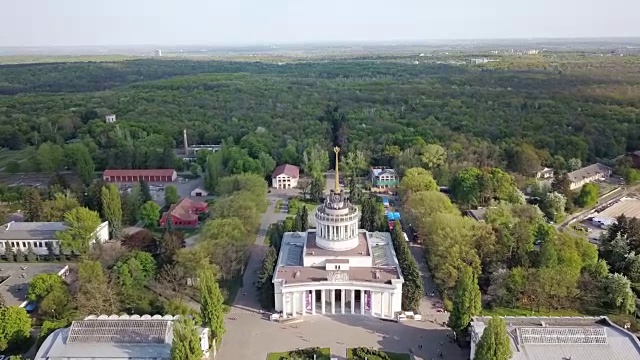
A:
[(184, 214), (40, 236), (337, 268), (117, 337), (588, 174), (384, 178), (135, 175), (285, 177)]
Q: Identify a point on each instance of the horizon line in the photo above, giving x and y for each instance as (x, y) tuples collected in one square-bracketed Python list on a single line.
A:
[(339, 42)]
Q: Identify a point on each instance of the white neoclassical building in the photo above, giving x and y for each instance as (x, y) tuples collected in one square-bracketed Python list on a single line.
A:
[(337, 268)]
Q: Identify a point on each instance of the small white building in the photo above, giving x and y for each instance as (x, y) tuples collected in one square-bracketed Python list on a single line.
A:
[(110, 118), (589, 174), (337, 268), (285, 177), (38, 236), (199, 192)]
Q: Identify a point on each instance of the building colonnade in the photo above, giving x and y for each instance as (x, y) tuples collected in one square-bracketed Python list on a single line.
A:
[(351, 301)]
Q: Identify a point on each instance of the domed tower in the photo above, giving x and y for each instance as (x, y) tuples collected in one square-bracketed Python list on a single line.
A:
[(337, 219)]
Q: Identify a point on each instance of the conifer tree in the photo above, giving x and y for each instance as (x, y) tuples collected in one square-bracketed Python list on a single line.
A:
[(467, 300), (186, 342), (494, 343), (33, 205), (211, 303)]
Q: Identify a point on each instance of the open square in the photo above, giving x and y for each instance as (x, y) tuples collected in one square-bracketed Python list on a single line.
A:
[(251, 335), (15, 287)]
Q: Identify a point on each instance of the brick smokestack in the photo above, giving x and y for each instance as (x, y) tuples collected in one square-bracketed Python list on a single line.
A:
[(186, 144)]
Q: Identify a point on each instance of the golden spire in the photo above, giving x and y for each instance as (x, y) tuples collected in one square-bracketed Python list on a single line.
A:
[(337, 189)]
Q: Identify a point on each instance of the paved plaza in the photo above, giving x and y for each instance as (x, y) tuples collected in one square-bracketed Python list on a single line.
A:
[(15, 287), (251, 336)]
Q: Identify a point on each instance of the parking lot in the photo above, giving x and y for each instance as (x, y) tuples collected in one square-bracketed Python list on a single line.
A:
[(14, 288), (156, 189)]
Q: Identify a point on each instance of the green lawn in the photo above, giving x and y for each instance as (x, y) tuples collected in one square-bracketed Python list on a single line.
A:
[(498, 311), (393, 356), (9, 155), (326, 355)]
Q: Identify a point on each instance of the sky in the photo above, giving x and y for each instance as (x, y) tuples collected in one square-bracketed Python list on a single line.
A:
[(248, 22)]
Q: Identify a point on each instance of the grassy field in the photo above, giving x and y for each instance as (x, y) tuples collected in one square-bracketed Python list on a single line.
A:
[(9, 155), (393, 356), (326, 355), (498, 311)]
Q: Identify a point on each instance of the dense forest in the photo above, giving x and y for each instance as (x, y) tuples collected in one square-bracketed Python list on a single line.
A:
[(566, 106)]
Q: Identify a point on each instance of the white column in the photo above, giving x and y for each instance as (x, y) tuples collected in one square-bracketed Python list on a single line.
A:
[(284, 305), (303, 302), (353, 301), (313, 302), (293, 304), (322, 298), (391, 305), (343, 295), (362, 301), (382, 303), (373, 302), (333, 301)]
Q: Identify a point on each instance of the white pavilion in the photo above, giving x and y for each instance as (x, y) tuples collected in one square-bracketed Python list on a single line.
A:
[(337, 268)]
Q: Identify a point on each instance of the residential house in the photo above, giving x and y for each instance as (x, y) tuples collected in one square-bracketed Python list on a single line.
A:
[(384, 178), (39, 236), (285, 177), (135, 175), (544, 173), (588, 174), (117, 337), (184, 213)]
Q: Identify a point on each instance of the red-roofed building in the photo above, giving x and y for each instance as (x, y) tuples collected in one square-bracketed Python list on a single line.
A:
[(285, 177), (135, 175), (184, 214)]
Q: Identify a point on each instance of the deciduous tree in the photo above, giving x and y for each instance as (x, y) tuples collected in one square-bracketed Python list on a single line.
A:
[(142, 240), (620, 295), (416, 180), (82, 224), (171, 195), (15, 325), (588, 195), (41, 285), (150, 214)]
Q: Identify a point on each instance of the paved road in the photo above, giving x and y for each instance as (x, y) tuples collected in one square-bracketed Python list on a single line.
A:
[(247, 298)]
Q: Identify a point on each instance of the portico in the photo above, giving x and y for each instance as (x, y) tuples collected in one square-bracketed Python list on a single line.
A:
[(338, 301)]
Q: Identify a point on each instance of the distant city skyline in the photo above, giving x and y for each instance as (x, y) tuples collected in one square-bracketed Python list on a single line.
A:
[(251, 22)]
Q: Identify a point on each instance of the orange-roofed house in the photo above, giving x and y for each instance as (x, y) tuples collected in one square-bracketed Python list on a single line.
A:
[(135, 175), (184, 214)]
